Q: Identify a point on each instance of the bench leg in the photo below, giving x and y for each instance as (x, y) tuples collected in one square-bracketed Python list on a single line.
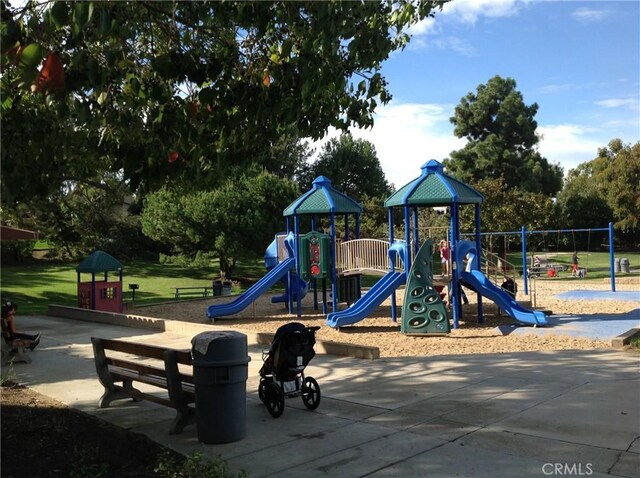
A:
[(15, 355), (184, 417), (111, 395), (185, 414)]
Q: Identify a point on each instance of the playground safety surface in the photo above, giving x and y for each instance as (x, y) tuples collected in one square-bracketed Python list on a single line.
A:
[(523, 414)]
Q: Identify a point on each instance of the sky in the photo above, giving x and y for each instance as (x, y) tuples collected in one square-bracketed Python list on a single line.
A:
[(578, 60)]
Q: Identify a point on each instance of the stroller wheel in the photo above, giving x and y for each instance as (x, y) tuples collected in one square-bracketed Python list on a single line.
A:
[(262, 387), (274, 399), (311, 393)]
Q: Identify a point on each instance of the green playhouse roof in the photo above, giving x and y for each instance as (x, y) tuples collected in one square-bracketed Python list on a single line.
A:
[(99, 261), (434, 188), (322, 199)]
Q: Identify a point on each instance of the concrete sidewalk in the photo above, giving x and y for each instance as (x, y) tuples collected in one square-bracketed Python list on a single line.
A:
[(530, 414)]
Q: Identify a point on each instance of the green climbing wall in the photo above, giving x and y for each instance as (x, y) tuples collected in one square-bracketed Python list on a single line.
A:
[(423, 311)]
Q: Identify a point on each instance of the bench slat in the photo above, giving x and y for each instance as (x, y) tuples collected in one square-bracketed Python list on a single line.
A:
[(144, 350)]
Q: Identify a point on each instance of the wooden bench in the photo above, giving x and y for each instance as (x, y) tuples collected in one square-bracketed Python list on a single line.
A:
[(13, 352), (196, 290), (117, 372)]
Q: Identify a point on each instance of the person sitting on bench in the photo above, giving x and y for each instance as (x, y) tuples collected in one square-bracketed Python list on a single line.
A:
[(9, 333)]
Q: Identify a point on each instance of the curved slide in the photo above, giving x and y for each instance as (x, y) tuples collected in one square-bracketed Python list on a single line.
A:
[(252, 293), (369, 301), (299, 286), (478, 281)]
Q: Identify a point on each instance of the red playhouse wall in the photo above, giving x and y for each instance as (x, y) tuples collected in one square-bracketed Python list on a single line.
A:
[(108, 296)]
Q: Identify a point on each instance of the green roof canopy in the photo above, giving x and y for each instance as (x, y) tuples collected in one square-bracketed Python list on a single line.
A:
[(99, 261), (434, 188), (322, 199)]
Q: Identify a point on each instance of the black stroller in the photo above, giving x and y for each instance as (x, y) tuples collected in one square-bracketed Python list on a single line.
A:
[(282, 374)]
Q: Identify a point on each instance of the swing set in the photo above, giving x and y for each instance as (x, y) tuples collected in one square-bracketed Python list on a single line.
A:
[(544, 263), (552, 269)]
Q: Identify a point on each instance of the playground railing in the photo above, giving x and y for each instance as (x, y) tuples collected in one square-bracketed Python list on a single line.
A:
[(364, 255), (495, 268)]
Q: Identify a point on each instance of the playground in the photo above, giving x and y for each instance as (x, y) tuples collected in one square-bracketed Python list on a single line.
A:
[(323, 277), (470, 338)]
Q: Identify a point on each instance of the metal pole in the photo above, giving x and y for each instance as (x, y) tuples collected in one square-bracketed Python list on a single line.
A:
[(524, 260), (479, 255), (611, 258)]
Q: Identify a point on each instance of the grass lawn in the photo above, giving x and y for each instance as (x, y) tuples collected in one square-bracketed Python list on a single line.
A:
[(596, 263), (37, 285)]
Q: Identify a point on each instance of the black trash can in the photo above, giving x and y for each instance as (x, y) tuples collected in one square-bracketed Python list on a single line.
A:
[(220, 371), (221, 288)]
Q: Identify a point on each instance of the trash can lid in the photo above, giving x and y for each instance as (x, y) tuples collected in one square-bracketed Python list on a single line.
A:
[(202, 341)]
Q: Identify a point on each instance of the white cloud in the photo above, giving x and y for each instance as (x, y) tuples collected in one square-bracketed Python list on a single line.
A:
[(589, 15), (569, 144), (468, 11), (406, 136), (631, 103), (456, 44), (423, 27)]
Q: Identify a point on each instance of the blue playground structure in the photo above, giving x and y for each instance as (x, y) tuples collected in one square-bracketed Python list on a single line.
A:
[(423, 310), (300, 259), (473, 278), (274, 274), (376, 295), (313, 260), (298, 286)]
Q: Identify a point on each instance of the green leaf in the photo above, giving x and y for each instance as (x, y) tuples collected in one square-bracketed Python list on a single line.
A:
[(82, 12), (104, 23), (59, 14), (32, 56)]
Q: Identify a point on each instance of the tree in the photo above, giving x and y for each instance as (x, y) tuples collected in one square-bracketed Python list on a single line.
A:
[(508, 209), (620, 177), (605, 190), (501, 133), (187, 90), (237, 220), (353, 167)]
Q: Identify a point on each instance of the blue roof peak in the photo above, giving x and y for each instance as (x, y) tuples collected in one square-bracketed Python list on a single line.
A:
[(432, 166), (322, 181)]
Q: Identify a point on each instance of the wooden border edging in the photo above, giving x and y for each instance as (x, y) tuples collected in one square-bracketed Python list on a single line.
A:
[(177, 326), (624, 339)]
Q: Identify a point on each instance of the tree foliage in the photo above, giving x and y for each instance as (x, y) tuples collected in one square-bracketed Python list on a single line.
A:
[(508, 209), (192, 90), (501, 140), (234, 221), (353, 167), (606, 190)]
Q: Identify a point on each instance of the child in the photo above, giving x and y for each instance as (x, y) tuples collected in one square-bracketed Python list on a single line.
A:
[(445, 253), (510, 286), (9, 333)]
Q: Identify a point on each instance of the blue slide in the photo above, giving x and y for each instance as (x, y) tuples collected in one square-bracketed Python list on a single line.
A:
[(369, 301), (478, 281), (255, 291), (299, 286)]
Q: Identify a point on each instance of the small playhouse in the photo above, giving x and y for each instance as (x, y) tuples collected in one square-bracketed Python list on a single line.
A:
[(100, 294)]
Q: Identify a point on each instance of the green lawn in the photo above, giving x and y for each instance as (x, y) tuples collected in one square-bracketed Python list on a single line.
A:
[(35, 286), (596, 263)]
